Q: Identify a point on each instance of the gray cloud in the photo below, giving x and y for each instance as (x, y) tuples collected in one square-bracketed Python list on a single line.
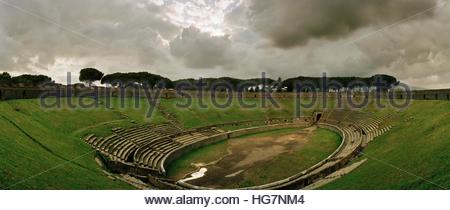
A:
[(201, 50), (290, 23), (415, 50), (84, 29)]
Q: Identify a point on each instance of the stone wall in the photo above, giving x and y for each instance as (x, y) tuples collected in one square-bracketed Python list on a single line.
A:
[(125, 168), (8, 93)]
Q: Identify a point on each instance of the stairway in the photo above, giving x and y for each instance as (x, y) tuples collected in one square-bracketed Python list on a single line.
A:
[(170, 117)]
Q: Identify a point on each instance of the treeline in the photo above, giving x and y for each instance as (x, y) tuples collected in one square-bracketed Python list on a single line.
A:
[(339, 83), (137, 78), (226, 83), (146, 79), (25, 80), (318, 83)]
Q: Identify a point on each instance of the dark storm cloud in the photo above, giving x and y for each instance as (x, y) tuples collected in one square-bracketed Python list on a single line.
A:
[(290, 23), (49, 29)]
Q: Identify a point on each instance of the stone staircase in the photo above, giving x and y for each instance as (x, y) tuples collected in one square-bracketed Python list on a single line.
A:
[(170, 117)]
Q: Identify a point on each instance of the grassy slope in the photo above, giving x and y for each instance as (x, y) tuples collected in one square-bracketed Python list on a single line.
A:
[(417, 146), (37, 146), (196, 116), (321, 144)]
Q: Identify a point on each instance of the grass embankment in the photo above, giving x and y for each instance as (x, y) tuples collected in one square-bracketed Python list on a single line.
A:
[(415, 154), (197, 116), (42, 149)]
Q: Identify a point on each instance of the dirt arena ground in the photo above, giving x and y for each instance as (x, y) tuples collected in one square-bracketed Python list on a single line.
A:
[(245, 157)]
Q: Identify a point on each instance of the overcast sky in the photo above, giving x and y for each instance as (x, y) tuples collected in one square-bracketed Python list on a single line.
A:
[(409, 39)]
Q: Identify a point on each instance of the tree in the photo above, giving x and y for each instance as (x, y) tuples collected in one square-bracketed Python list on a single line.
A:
[(383, 81), (279, 85), (90, 75), (143, 79), (5, 79), (31, 80)]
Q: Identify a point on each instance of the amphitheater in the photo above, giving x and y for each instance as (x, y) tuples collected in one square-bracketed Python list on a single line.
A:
[(145, 151), (133, 153)]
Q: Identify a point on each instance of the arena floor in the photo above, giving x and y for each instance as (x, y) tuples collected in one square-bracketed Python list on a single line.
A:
[(254, 159)]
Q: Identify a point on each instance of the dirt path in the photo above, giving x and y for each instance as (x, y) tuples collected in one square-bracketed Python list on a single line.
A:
[(336, 175), (96, 125)]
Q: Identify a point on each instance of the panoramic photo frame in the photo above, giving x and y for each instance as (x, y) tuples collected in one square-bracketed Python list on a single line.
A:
[(224, 103)]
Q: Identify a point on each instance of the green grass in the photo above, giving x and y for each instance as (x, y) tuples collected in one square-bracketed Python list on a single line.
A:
[(42, 149), (207, 154), (415, 154), (196, 116)]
